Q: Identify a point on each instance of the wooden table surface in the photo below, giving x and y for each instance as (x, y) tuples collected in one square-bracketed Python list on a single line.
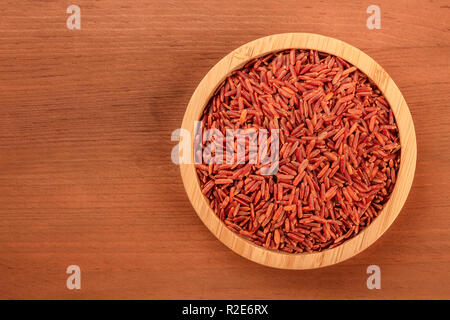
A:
[(86, 175)]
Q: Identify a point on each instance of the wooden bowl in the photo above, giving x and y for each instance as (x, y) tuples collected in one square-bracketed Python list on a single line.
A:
[(260, 47)]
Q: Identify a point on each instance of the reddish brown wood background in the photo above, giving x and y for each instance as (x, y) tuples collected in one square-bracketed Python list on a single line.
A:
[(85, 170)]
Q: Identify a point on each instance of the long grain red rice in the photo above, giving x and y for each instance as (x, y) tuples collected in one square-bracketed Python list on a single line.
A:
[(339, 151)]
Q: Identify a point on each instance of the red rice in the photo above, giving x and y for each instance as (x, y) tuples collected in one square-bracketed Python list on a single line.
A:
[(339, 151)]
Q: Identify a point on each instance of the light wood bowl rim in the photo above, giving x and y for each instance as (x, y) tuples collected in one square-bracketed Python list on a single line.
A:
[(259, 47)]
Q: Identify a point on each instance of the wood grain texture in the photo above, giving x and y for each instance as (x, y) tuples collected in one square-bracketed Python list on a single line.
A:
[(86, 176), (235, 60)]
